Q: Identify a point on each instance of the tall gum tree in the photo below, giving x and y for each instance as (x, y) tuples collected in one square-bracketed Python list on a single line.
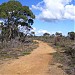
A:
[(15, 14)]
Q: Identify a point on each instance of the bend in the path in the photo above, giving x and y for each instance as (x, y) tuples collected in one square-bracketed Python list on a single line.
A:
[(34, 64)]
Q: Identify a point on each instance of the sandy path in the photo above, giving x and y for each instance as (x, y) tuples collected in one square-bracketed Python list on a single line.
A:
[(36, 63)]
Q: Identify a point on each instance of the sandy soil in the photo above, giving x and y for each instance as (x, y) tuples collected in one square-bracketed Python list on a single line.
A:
[(37, 63)]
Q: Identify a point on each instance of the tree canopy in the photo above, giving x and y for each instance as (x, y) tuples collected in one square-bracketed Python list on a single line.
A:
[(15, 14), (46, 34), (71, 35)]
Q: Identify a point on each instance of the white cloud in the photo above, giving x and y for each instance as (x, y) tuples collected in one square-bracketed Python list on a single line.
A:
[(55, 10), (38, 6), (39, 31), (43, 31)]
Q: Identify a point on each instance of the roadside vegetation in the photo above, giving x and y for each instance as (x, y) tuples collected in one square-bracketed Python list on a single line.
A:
[(65, 47), (14, 49), (15, 42)]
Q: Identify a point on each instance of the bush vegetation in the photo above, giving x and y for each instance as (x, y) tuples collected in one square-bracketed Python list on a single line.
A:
[(13, 41), (65, 46), (16, 48)]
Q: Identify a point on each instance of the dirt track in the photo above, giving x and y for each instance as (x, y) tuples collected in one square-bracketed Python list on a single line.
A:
[(37, 63)]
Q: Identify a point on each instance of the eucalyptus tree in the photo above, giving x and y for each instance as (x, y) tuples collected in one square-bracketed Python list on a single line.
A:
[(46, 34), (32, 33), (71, 35), (58, 34), (57, 38), (15, 14)]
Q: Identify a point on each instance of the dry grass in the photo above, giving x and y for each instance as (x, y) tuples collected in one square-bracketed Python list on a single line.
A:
[(19, 50), (65, 53)]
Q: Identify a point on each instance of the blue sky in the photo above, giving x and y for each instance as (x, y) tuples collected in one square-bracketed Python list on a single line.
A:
[(48, 15)]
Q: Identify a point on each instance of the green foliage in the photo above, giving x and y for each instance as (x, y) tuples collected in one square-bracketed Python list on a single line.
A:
[(13, 11), (71, 35), (32, 33), (58, 34), (46, 34)]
